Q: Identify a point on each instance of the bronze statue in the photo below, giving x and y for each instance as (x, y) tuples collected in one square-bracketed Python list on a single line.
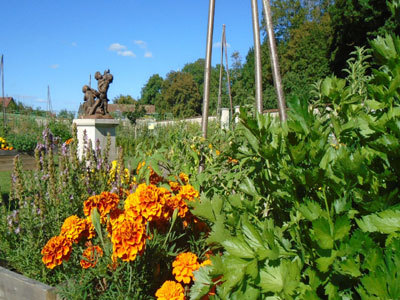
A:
[(97, 108)]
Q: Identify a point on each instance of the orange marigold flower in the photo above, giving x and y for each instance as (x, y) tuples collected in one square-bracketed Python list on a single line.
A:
[(154, 177), (207, 262), (188, 192), (184, 265), (177, 202), (90, 256), (128, 237), (89, 232), (73, 228), (175, 186), (69, 141), (145, 201), (170, 290), (184, 178), (57, 249), (105, 202)]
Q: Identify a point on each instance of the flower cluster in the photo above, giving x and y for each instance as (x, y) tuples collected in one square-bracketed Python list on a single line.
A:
[(183, 267), (148, 206), (59, 248), (4, 145)]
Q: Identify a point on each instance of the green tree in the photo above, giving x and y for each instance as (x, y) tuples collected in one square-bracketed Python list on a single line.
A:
[(121, 99), (151, 91), (65, 114), (179, 95), (136, 114), (357, 21)]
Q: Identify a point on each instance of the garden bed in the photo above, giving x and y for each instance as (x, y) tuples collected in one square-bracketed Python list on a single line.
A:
[(14, 286)]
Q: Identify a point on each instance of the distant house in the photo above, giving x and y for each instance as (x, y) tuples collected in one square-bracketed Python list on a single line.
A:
[(112, 108), (8, 102)]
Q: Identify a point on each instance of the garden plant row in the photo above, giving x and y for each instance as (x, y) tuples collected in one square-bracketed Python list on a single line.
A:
[(307, 209)]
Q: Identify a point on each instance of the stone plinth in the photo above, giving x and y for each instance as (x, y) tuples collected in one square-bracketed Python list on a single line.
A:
[(97, 129), (224, 118)]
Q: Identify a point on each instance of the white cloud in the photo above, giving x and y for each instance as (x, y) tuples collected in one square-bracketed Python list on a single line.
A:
[(74, 44), (55, 66), (148, 54), (40, 100), (141, 44), (126, 53), (218, 45), (116, 47)]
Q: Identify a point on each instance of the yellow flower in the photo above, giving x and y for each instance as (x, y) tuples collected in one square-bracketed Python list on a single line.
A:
[(170, 290), (183, 267)]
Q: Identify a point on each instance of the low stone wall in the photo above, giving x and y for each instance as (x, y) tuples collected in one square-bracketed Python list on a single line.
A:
[(14, 286)]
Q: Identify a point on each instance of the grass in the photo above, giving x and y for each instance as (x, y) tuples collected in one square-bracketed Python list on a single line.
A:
[(5, 185)]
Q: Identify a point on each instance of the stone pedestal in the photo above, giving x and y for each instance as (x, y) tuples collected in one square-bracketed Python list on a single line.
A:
[(224, 118), (97, 129)]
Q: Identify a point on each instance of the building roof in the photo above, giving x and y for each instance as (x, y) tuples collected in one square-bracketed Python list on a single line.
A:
[(6, 101), (150, 109)]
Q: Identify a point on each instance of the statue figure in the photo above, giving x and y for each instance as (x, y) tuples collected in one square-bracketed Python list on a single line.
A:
[(90, 95), (103, 82), (96, 101)]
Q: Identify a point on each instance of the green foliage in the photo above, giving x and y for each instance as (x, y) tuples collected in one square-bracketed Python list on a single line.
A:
[(314, 211), (136, 114), (180, 95), (355, 22), (151, 92), (60, 129), (122, 99)]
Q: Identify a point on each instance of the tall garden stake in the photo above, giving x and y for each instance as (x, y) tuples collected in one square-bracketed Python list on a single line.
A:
[(207, 74), (207, 68), (257, 56), (274, 61), (2, 91), (227, 73), (220, 73)]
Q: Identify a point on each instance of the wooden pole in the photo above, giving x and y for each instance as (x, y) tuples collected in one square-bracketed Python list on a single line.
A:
[(207, 68), (2, 91), (227, 74), (274, 61), (220, 73), (257, 56)]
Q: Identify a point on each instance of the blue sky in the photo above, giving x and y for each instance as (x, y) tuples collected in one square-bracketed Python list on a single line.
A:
[(59, 43)]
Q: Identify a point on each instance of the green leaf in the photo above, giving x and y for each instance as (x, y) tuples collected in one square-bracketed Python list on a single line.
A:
[(202, 208), (342, 227), (310, 210), (322, 233), (283, 279), (253, 238), (202, 283), (247, 186), (323, 263), (238, 247), (387, 222), (95, 216)]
